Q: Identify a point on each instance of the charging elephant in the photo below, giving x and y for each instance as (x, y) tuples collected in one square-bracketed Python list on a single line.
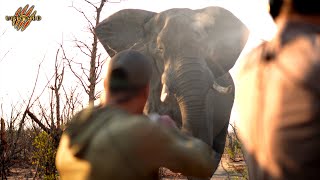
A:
[(192, 52)]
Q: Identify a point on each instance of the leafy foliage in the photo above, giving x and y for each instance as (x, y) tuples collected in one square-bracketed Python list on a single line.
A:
[(44, 156)]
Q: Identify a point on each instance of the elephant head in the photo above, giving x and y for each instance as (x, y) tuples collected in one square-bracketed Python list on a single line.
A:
[(190, 49)]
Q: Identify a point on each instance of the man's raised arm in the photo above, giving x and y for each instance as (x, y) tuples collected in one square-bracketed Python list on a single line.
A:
[(178, 152)]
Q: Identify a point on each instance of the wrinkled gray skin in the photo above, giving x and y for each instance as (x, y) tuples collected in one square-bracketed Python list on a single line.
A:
[(190, 50)]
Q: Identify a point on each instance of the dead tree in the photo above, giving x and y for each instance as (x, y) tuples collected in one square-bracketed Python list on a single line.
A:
[(54, 128), (13, 144), (28, 105), (72, 103), (3, 148), (56, 87), (50, 117), (62, 103), (90, 50), (4, 143)]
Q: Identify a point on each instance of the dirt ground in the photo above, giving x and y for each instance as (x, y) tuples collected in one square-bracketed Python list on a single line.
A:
[(226, 170), (21, 174)]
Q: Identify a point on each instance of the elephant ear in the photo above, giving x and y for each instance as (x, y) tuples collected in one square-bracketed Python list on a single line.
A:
[(122, 30), (228, 36)]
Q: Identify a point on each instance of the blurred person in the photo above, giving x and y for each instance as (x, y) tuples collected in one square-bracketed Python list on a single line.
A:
[(116, 141), (279, 96)]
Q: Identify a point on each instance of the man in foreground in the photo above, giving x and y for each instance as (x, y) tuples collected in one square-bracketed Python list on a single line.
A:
[(279, 97), (116, 141)]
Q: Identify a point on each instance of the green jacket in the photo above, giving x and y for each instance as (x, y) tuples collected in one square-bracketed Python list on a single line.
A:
[(108, 143)]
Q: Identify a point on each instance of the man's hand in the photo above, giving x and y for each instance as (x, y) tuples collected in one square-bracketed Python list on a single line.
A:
[(167, 121), (163, 119)]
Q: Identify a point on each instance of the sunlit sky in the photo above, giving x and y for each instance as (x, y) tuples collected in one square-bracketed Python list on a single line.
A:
[(21, 52)]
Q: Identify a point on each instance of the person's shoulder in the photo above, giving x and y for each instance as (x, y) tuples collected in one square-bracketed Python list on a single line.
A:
[(124, 129), (110, 121), (83, 114), (140, 126), (306, 47), (80, 118), (139, 122), (90, 120), (301, 60), (124, 122)]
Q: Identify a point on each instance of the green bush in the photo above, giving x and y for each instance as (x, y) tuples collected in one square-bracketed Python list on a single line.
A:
[(44, 156)]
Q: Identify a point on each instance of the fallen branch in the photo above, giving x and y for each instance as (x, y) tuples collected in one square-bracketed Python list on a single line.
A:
[(36, 120)]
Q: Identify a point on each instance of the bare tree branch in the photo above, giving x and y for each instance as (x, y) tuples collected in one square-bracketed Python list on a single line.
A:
[(78, 46), (95, 62), (33, 90), (43, 111), (84, 44), (27, 107), (99, 68), (91, 4), (30, 104), (57, 85), (5, 55), (52, 126), (8, 50), (70, 60), (36, 120), (84, 85), (84, 15), (72, 99), (94, 59), (235, 131)]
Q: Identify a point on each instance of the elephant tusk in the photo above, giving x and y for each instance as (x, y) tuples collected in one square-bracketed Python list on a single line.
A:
[(164, 93), (221, 89)]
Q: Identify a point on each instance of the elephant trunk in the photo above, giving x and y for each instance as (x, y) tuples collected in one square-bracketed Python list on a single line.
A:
[(192, 85)]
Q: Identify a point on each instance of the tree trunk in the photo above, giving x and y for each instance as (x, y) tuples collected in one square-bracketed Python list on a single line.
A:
[(93, 69)]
